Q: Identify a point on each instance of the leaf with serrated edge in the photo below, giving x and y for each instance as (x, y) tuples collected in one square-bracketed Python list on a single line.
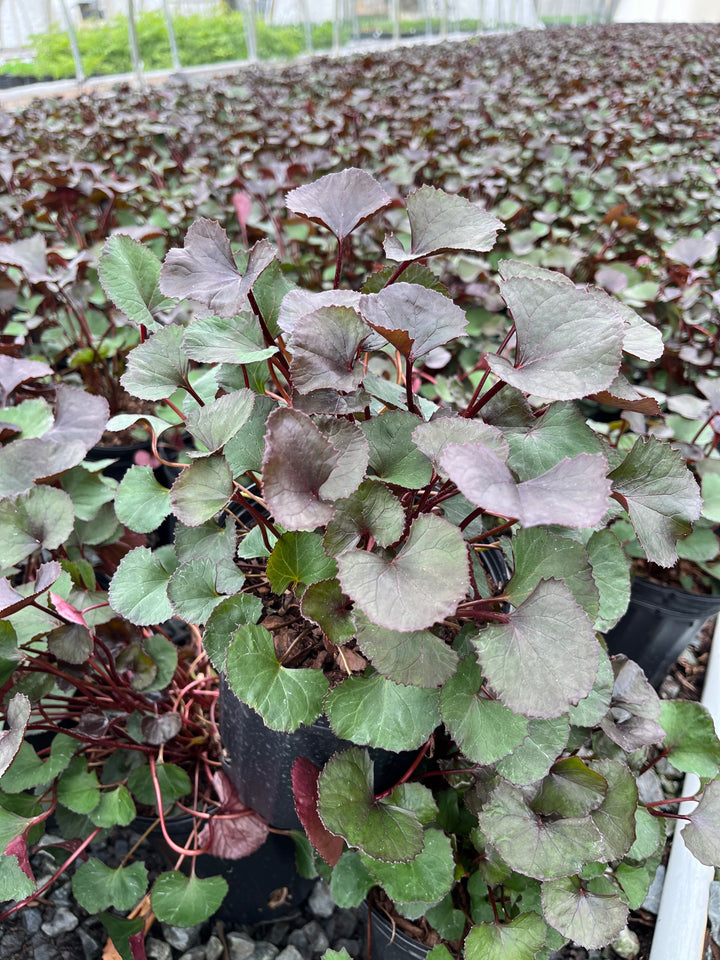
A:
[(485, 730), (17, 715), (354, 451), (426, 879), (412, 318), (304, 780), (325, 604), (201, 490), (560, 432), (615, 817), (156, 368), (590, 919), (351, 880), (217, 422), (545, 741), (379, 713), (284, 698), (568, 343), (570, 789), (339, 201), (138, 591), (298, 558), (542, 555), (326, 347), (442, 223), (204, 269), (141, 503), (235, 340), (573, 493), (405, 593), (662, 496), (702, 833), (538, 847), (291, 484), (690, 744), (590, 711), (419, 658), (348, 808), (394, 457), (432, 438), (371, 511), (129, 273), (186, 901), (520, 657), (40, 519), (520, 939), (227, 616), (96, 886)]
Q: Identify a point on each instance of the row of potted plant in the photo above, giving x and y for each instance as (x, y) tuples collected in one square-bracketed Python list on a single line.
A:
[(421, 583)]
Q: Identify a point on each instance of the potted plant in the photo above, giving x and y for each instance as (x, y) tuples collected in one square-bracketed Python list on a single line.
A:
[(105, 722), (331, 524)]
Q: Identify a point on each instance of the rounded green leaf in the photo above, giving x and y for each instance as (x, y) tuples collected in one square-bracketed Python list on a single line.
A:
[(520, 939), (591, 919), (201, 490), (15, 884), (284, 698), (404, 593), (217, 422), (156, 368), (97, 886), (196, 587), (325, 604), (186, 901), (394, 457), (78, 788), (376, 712), (138, 591), (426, 879), (520, 657), (40, 519), (116, 808), (350, 881), (227, 616), (129, 273), (418, 659), (372, 511), (172, 780), (485, 730), (298, 558), (615, 817), (348, 808), (141, 503), (236, 340), (691, 744)]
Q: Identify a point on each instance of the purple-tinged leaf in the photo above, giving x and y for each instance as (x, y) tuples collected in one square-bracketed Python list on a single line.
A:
[(633, 719), (291, 483), (519, 658), (569, 343), (590, 915), (305, 779), (615, 817), (17, 715), (298, 303), (533, 845), (573, 493), (29, 254), (11, 601), (331, 402), (416, 659), (159, 729), (339, 201), (570, 789), (232, 837), (14, 371), (79, 416), (412, 318), (205, 270), (349, 440), (326, 346), (433, 437), (325, 604), (688, 250), (443, 223), (662, 496), (70, 642), (702, 834), (404, 592)]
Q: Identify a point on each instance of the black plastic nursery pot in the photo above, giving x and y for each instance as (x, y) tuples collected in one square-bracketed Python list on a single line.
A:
[(263, 886), (123, 457), (259, 760), (658, 625), (388, 942)]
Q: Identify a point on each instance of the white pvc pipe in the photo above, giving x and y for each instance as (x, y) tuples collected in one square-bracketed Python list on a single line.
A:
[(682, 917)]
